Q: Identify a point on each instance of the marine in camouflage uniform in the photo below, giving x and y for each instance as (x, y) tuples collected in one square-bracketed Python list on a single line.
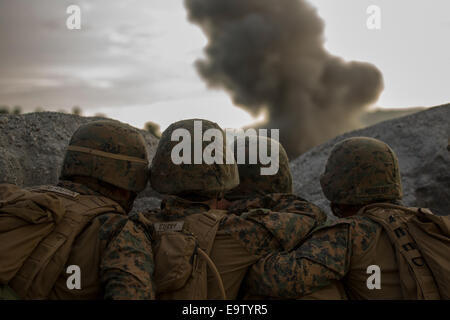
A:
[(263, 191), (360, 172), (104, 168), (242, 238), (274, 193)]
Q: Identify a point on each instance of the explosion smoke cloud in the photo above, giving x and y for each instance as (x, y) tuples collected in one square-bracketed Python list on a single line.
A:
[(270, 56)]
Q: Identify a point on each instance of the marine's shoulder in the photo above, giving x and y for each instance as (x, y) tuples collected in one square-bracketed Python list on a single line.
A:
[(232, 222), (360, 225), (273, 201), (363, 230), (250, 234), (280, 199), (110, 224), (283, 202), (360, 230), (7, 189)]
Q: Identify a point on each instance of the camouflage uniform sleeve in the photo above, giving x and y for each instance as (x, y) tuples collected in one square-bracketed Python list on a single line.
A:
[(294, 204), (281, 202), (290, 219), (127, 266), (322, 258)]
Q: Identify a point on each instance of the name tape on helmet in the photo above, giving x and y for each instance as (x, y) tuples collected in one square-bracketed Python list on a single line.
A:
[(106, 154)]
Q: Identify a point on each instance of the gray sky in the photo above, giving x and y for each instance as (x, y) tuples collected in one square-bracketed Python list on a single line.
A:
[(133, 59)]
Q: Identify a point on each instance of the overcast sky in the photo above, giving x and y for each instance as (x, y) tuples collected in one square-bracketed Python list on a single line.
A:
[(133, 59)]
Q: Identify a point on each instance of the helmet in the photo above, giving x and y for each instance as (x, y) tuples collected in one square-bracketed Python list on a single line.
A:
[(203, 179), (252, 182), (109, 151), (361, 170)]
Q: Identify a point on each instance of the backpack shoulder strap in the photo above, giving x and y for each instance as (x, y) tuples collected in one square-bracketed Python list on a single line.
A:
[(42, 268), (204, 226), (394, 224)]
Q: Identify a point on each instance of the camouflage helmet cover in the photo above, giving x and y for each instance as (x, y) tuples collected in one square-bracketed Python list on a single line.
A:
[(109, 151), (252, 182), (361, 170), (202, 179)]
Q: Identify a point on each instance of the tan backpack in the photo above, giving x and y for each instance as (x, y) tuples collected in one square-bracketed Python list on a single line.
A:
[(38, 227), (422, 244), (181, 250)]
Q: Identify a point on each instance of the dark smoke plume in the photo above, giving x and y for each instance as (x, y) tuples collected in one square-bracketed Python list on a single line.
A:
[(269, 55)]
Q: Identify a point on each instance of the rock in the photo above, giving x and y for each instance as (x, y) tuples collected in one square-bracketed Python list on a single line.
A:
[(420, 141), (144, 204)]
